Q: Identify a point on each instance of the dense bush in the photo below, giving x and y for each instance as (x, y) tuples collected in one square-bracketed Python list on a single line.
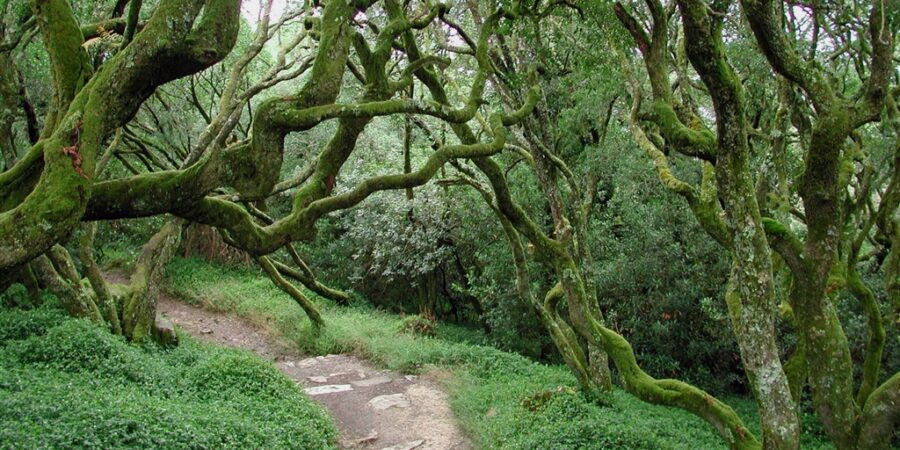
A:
[(18, 324), (659, 277), (660, 280), (418, 325), (238, 373), (65, 383)]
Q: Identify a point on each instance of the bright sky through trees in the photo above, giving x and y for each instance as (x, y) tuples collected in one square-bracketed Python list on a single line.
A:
[(250, 10)]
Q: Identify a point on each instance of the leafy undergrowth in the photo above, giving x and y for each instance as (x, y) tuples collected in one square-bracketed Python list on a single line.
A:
[(66, 383), (503, 400)]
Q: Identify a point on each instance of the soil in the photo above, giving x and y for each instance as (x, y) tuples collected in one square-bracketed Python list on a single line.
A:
[(372, 408)]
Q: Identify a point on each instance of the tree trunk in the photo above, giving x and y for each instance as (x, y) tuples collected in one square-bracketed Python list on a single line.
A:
[(139, 305)]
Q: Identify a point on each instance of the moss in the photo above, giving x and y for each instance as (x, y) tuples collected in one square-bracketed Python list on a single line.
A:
[(311, 310), (828, 358), (879, 419), (139, 308), (69, 62), (675, 393), (108, 100), (876, 340), (134, 14), (750, 295), (796, 370), (700, 143), (262, 165), (774, 227)]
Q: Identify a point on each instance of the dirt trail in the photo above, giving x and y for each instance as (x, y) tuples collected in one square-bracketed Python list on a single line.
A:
[(373, 409)]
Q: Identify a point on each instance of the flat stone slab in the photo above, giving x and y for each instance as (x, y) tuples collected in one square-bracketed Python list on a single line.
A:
[(328, 389), (407, 445), (383, 402), (318, 379), (374, 381), (308, 362)]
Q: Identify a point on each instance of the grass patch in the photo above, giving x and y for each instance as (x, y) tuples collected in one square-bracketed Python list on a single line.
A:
[(66, 383), (503, 400)]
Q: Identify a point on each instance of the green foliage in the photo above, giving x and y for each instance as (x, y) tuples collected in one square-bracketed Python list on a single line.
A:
[(658, 276), (65, 383), (17, 324), (568, 421), (237, 373), (74, 346), (15, 295), (118, 243), (503, 400), (514, 325), (538, 401), (382, 249), (418, 324), (661, 278)]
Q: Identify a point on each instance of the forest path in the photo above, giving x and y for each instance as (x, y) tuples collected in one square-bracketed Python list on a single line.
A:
[(372, 408)]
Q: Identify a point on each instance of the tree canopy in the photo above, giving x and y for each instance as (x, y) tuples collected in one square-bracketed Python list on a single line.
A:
[(679, 197)]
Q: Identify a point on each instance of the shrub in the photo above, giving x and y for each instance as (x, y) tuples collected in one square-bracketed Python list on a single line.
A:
[(66, 383), (232, 373), (418, 324), (73, 345), (15, 296), (17, 324)]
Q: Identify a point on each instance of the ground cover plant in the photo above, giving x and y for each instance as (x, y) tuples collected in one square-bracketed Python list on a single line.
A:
[(67, 383), (504, 400)]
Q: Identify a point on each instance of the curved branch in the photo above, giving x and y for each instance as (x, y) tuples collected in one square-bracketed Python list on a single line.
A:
[(69, 63), (98, 29), (134, 14), (765, 21), (307, 279), (697, 143), (108, 101), (750, 294), (786, 243), (308, 306), (262, 164), (154, 193), (882, 19), (674, 393)]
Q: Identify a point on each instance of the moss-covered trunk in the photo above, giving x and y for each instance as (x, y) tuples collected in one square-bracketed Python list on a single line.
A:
[(139, 302), (819, 279), (750, 294), (9, 93)]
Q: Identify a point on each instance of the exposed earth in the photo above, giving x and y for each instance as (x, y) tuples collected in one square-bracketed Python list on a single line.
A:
[(372, 408)]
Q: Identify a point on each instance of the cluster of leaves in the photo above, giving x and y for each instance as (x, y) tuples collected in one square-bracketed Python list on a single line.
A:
[(383, 248), (66, 383), (661, 280), (393, 248)]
